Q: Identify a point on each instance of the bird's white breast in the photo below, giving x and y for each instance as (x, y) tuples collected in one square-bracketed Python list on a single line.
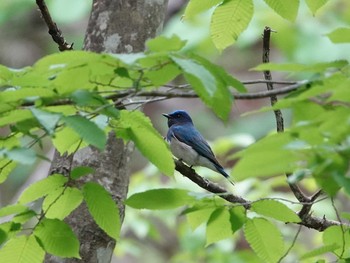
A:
[(186, 153)]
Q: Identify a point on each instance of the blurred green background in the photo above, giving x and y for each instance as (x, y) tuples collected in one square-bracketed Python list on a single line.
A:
[(165, 236)]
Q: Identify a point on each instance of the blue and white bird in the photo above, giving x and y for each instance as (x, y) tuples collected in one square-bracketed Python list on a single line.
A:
[(188, 145)]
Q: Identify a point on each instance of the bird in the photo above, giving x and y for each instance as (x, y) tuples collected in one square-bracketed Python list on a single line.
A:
[(188, 145)]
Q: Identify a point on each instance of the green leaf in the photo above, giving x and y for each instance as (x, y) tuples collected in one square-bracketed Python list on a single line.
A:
[(222, 98), (229, 20), (199, 216), (24, 216), (5, 75), (237, 217), (3, 237), (218, 226), (160, 199), (12, 209), (338, 236), (286, 9), (195, 7), (264, 238), (8, 230), (42, 188), (137, 127), (22, 249), (102, 208), (213, 91), (15, 116), (21, 155), (295, 67), (57, 238), (92, 99), (159, 69), (276, 210), (80, 171), (87, 130), (67, 140), (6, 167), (340, 35), (266, 157), (61, 202), (162, 43), (27, 94), (314, 5), (319, 251), (47, 119)]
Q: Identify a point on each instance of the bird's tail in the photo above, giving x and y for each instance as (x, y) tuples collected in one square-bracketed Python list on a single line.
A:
[(221, 170)]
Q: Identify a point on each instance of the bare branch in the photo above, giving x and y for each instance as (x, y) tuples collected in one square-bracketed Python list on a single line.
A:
[(54, 31), (267, 76)]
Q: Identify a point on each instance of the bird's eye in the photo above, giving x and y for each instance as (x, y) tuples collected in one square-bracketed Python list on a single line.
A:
[(178, 115)]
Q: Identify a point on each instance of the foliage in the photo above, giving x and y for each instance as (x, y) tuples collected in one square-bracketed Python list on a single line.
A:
[(73, 99)]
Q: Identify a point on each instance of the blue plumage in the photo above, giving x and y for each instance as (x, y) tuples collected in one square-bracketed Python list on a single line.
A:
[(188, 145)]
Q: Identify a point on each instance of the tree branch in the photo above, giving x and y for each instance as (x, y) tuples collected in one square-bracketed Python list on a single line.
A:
[(319, 224), (304, 213), (54, 31)]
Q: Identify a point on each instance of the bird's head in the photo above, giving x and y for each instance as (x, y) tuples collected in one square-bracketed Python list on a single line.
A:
[(178, 117)]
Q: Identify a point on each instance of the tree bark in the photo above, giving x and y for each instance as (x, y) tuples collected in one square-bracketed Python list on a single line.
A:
[(115, 26)]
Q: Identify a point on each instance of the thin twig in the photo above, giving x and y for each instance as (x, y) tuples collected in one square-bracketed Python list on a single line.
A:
[(54, 31), (341, 227), (185, 94), (292, 245)]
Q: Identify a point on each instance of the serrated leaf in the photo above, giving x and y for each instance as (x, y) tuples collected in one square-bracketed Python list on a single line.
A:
[(218, 226), (276, 210), (87, 130), (61, 202), (286, 9), (160, 199), (102, 208), (195, 7), (12, 209), (47, 119), (57, 238), (319, 251), (340, 35), (80, 171), (137, 127), (262, 236), (42, 188), (22, 249), (162, 43), (229, 20), (314, 5)]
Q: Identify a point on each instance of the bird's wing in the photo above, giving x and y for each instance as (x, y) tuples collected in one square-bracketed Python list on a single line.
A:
[(190, 136)]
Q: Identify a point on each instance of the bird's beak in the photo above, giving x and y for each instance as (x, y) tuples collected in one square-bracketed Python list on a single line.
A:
[(166, 115)]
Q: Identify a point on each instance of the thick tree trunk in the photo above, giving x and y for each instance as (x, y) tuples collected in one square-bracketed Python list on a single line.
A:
[(116, 26)]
